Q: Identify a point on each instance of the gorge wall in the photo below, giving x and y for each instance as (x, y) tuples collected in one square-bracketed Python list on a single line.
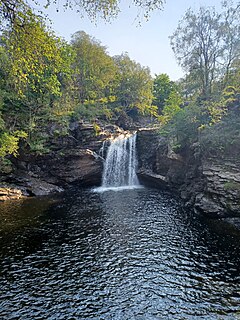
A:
[(73, 159), (209, 185)]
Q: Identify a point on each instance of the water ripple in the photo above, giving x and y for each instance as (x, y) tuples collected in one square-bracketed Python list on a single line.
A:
[(129, 255)]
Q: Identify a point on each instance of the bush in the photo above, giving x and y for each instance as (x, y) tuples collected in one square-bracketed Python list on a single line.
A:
[(9, 142), (186, 125), (91, 111), (223, 138)]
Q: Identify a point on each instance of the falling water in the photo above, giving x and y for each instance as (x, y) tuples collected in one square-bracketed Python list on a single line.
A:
[(121, 163)]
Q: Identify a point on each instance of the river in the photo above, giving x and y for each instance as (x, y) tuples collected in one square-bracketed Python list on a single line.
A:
[(131, 254)]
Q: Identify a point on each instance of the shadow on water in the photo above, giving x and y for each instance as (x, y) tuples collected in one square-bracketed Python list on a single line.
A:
[(132, 254)]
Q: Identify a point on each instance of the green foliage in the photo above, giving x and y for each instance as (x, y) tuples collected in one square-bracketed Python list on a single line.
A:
[(133, 85), (91, 111), (206, 43), (222, 138), (44, 80), (9, 142), (5, 166), (186, 125), (36, 57), (172, 107), (35, 67), (207, 46), (38, 146), (216, 109), (162, 88), (94, 69)]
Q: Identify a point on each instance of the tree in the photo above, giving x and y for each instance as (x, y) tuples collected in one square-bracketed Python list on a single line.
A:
[(134, 85), (94, 69), (172, 106), (36, 60), (162, 88), (230, 31), (205, 44), (10, 9), (196, 45)]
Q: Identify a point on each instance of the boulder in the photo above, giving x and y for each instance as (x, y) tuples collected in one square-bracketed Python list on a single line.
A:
[(79, 166), (151, 179)]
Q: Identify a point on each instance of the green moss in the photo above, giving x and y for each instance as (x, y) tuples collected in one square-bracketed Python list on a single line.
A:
[(232, 185), (5, 166)]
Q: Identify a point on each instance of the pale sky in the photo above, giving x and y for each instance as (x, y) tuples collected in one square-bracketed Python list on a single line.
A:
[(147, 44)]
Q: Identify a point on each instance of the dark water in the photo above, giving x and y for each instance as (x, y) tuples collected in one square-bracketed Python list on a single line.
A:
[(117, 255)]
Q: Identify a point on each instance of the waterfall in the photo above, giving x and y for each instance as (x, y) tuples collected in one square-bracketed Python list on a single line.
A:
[(121, 163)]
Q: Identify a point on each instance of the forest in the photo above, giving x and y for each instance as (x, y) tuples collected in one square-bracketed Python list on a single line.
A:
[(46, 80)]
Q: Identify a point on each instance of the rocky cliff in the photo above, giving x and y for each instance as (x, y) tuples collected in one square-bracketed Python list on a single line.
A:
[(209, 185), (74, 159)]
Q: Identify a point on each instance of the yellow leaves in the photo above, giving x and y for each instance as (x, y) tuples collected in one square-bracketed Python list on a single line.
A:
[(103, 100), (9, 142), (202, 127), (216, 111), (112, 99), (36, 57)]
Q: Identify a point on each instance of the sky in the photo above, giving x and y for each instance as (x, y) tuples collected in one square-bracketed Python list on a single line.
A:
[(147, 43)]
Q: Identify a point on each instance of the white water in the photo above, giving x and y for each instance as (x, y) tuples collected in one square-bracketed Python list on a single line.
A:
[(120, 165)]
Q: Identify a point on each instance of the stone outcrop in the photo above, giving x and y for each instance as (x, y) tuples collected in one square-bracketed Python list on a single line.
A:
[(221, 196), (81, 166), (210, 186), (74, 159)]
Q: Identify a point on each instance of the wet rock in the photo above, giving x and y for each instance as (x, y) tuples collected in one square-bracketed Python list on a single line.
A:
[(147, 144), (73, 159), (208, 206), (234, 221), (10, 193), (151, 179), (29, 185), (37, 187), (81, 166)]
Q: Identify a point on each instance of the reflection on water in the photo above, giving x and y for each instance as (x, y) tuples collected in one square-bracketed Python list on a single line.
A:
[(132, 254)]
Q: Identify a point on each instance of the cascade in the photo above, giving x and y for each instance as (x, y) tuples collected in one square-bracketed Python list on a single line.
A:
[(121, 163)]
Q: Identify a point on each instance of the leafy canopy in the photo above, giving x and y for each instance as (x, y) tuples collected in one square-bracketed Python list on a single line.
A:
[(134, 84), (162, 88), (105, 9), (94, 70), (36, 56), (206, 43)]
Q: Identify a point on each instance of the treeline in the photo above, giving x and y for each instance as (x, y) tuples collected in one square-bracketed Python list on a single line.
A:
[(206, 107), (44, 79)]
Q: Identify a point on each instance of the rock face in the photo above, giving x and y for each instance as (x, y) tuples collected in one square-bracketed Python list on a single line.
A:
[(210, 186), (81, 166), (221, 196), (74, 159)]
